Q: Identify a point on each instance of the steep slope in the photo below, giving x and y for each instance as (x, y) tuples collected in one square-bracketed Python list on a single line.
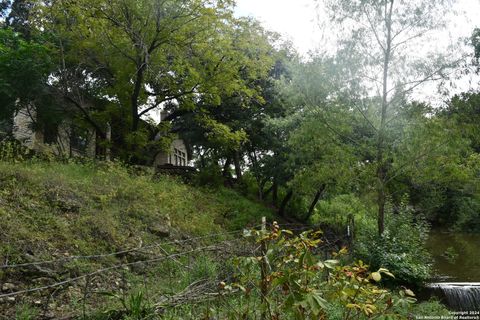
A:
[(54, 211)]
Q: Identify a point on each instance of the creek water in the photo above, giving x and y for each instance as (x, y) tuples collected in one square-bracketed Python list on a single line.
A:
[(456, 269)]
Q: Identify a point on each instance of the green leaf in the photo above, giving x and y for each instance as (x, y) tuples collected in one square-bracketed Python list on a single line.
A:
[(318, 303), (409, 292), (385, 271), (376, 276), (330, 264)]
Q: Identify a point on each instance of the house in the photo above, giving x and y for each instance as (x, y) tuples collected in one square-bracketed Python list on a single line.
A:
[(176, 156), (69, 140)]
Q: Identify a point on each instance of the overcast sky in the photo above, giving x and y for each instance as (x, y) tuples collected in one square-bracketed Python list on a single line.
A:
[(296, 19)]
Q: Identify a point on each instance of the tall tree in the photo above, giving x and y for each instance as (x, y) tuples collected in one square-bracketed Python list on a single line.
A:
[(443, 185), (142, 56), (24, 70), (232, 130), (385, 38), (17, 14), (328, 140), (476, 42)]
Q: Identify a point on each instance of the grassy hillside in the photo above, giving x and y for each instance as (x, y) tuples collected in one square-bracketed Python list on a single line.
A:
[(84, 209), (52, 210), (98, 242)]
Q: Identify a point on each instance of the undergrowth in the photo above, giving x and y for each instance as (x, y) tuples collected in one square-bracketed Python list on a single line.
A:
[(56, 210)]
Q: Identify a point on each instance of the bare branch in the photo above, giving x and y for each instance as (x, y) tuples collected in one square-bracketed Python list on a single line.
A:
[(373, 29)]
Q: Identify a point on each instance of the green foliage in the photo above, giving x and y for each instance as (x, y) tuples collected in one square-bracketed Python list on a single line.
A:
[(24, 68), (476, 43), (194, 55), (442, 178), (135, 306), (13, 151), (325, 141), (291, 281), (401, 248), (25, 312), (209, 176), (374, 57), (318, 129), (431, 307), (89, 208), (100, 207), (221, 136), (465, 212), (245, 212), (335, 211)]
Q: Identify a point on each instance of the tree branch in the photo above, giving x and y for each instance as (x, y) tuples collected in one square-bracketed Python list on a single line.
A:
[(86, 115)]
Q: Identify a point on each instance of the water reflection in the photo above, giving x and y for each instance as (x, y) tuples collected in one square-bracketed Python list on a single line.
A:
[(456, 256)]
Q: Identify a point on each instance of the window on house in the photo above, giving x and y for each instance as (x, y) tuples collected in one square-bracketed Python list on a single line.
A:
[(50, 133), (78, 139), (179, 157)]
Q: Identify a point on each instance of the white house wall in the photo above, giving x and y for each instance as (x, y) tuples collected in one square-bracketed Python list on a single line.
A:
[(22, 131), (22, 128), (168, 158)]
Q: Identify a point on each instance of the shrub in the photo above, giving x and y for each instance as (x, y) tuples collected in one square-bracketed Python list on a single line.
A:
[(209, 176), (401, 248), (292, 282), (336, 210), (467, 212), (13, 151)]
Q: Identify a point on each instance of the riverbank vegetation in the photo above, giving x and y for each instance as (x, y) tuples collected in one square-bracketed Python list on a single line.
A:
[(147, 254), (339, 140)]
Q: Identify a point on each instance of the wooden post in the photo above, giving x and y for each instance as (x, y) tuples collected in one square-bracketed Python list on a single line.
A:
[(108, 138), (85, 296), (350, 229), (263, 270)]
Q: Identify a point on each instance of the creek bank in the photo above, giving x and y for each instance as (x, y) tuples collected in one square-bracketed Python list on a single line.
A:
[(456, 265)]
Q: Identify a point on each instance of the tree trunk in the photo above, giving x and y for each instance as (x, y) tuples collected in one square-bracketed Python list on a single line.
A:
[(261, 185), (283, 205), (381, 167), (108, 140), (236, 162), (260, 182), (267, 192), (135, 94), (274, 193), (317, 197), (226, 168)]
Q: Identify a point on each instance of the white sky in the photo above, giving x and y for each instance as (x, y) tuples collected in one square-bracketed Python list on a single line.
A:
[(296, 19)]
